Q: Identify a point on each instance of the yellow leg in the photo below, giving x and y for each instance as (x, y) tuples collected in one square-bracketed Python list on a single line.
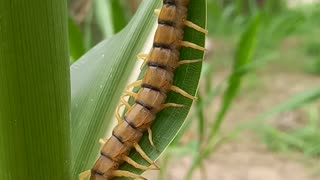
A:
[(122, 173), (117, 114), (187, 23), (194, 26), (134, 84), (144, 57), (192, 45), (172, 105), (189, 61), (84, 175), (136, 165), (144, 155), (102, 141), (131, 94), (182, 92), (124, 103), (157, 11), (150, 139)]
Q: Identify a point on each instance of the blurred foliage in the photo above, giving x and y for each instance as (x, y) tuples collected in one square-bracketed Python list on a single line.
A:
[(303, 137), (95, 20), (230, 15)]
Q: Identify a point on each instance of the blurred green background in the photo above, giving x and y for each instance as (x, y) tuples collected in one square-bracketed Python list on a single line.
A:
[(257, 115)]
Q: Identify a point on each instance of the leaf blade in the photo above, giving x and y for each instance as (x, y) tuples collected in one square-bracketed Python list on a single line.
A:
[(97, 80)]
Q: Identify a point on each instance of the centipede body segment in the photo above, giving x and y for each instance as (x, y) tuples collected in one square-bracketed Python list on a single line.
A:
[(162, 61)]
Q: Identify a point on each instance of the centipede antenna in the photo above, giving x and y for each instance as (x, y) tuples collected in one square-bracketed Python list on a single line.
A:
[(122, 173), (136, 165), (84, 175), (192, 45), (182, 92), (143, 154), (194, 26)]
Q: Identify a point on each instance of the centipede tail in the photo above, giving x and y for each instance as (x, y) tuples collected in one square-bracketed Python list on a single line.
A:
[(162, 61)]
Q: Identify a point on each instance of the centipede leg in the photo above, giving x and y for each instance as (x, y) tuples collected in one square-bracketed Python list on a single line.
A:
[(172, 105), (124, 103), (143, 154), (151, 139), (136, 165), (144, 57), (192, 45), (130, 94), (134, 84), (84, 175), (187, 23), (194, 26), (118, 113), (122, 173), (182, 92), (102, 141), (157, 11), (189, 61)]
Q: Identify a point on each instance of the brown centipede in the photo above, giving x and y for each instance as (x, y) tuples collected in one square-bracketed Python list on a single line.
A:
[(162, 61)]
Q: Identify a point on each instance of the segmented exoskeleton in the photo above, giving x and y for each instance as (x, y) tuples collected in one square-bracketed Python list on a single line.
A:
[(157, 81)]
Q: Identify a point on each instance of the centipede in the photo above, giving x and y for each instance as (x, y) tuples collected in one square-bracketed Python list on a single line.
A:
[(160, 64)]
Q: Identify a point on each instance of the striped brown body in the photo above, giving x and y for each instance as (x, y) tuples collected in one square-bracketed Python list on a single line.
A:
[(162, 61)]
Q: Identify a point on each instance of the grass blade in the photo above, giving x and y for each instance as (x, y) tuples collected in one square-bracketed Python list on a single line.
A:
[(34, 91), (76, 42)]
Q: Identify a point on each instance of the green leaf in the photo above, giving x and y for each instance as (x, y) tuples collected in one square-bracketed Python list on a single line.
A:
[(110, 16), (76, 43), (118, 15), (99, 77), (97, 81), (34, 91)]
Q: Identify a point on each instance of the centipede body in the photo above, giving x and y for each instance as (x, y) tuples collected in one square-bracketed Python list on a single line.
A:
[(162, 61)]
